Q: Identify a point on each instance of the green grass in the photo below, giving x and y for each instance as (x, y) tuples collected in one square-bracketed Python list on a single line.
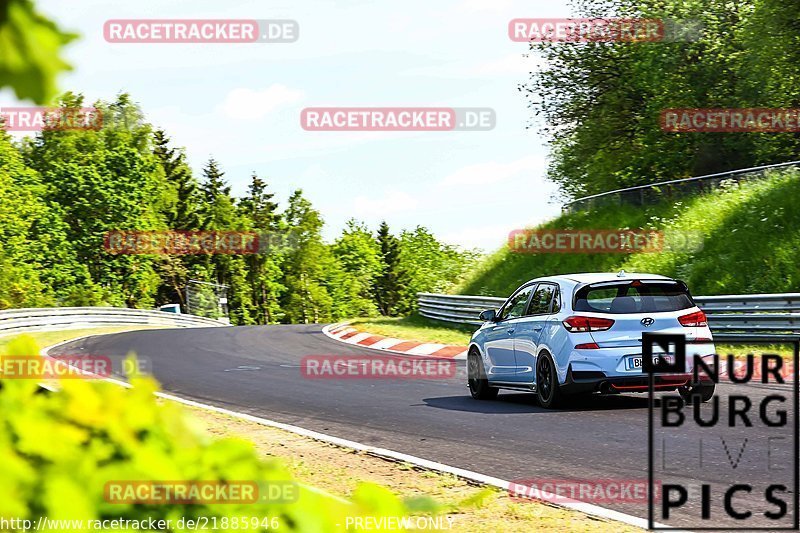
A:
[(416, 328), (48, 338), (786, 351), (751, 236)]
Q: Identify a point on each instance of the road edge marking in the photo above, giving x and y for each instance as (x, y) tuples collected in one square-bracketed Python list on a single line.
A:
[(384, 453)]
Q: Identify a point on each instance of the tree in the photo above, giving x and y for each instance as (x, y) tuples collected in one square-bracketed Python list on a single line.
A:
[(63, 190), (101, 181), (216, 210), (306, 298), (258, 206), (601, 101), (359, 256), (24, 226), (390, 281), (429, 266), (264, 268), (182, 212)]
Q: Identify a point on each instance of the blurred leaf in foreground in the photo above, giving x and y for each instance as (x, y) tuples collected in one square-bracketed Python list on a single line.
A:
[(30, 47)]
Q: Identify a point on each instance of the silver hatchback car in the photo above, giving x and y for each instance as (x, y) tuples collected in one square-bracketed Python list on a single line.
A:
[(582, 333)]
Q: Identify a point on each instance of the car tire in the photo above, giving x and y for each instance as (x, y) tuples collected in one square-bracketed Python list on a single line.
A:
[(702, 392), (547, 388), (479, 386)]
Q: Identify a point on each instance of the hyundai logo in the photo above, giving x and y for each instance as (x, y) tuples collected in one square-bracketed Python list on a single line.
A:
[(647, 321)]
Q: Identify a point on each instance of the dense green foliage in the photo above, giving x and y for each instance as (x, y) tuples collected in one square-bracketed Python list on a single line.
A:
[(751, 237), (600, 102), (63, 190), (58, 451)]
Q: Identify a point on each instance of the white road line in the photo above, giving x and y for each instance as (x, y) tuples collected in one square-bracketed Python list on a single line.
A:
[(586, 508)]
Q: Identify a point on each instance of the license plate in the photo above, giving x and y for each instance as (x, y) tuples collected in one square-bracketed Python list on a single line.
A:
[(635, 362)]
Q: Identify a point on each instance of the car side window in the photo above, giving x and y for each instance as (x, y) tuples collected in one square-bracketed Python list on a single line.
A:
[(515, 307), (540, 303), (556, 301)]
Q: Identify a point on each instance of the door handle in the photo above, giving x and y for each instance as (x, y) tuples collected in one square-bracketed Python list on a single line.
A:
[(537, 328), (510, 331)]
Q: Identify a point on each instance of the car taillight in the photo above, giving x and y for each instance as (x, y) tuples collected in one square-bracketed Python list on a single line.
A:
[(581, 324), (693, 320)]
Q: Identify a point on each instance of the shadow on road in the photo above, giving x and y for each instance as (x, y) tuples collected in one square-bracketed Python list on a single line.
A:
[(510, 403)]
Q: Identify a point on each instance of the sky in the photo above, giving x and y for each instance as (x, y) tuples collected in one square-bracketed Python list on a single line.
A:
[(241, 104)]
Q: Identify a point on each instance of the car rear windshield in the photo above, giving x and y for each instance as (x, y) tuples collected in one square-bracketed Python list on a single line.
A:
[(635, 296)]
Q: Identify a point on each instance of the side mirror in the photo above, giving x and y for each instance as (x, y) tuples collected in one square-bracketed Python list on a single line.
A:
[(488, 316)]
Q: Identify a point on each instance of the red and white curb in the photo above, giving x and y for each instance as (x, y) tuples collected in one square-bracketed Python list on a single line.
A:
[(343, 332)]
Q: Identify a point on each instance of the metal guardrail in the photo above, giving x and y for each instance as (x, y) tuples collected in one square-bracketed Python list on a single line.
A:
[(730, 315), (459, 309), (643, 194), (20, 320)]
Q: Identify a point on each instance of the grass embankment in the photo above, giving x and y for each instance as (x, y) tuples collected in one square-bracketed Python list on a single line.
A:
[(751, 234), (416, 328)]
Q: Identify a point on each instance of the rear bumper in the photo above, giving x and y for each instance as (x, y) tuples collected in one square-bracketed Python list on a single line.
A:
[(597, 381), (610, 362)]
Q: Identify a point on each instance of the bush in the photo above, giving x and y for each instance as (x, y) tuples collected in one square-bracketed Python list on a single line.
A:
[(58, 451)]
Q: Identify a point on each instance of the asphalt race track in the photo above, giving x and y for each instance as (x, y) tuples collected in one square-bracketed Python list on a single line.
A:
[(256, 370)]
